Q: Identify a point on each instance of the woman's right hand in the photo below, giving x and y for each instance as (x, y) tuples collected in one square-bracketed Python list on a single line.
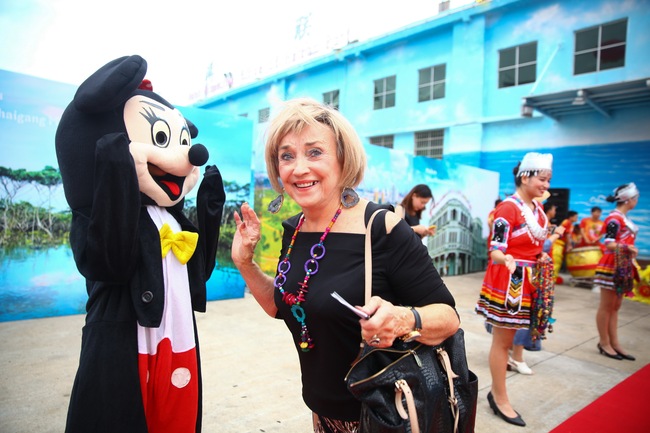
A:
[(247, 235)]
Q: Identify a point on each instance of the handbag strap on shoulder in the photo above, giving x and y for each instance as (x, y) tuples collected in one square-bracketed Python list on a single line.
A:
[(368, 254), (400, 211)]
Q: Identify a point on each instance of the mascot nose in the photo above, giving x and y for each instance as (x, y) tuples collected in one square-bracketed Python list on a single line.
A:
[(198, 155)]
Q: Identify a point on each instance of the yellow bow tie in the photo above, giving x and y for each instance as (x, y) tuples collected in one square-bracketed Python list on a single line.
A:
[(182, 243)]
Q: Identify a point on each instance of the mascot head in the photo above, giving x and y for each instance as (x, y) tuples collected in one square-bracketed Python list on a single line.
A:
[(115, 99)]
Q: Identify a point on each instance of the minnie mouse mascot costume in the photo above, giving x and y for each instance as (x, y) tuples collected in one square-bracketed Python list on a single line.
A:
[(127, 161)]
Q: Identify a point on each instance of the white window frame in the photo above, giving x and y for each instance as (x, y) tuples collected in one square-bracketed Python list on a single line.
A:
[(434, 81), (383, 94), (429, 143), (517, 65), (383, 141)]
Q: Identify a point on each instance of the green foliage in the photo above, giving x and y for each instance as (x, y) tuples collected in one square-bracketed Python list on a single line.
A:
[(14, 180), (24, 224), (270, 245)]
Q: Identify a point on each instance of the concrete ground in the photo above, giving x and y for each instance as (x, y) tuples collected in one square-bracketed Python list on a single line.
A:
[(252, 380)]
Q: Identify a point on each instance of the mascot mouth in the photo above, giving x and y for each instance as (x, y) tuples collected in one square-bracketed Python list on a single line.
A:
[(172, 185)]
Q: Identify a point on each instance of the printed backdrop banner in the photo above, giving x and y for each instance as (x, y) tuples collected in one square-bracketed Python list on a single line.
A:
[(38, 276)]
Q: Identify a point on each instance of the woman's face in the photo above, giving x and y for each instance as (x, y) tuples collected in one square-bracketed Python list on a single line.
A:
[(418, 202), (633, 202), (536, 186), (309, 167)]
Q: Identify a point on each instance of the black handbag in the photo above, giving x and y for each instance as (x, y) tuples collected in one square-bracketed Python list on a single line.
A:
[(434, 382)]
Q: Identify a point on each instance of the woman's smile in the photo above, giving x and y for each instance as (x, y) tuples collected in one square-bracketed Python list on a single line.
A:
[(305, 184)]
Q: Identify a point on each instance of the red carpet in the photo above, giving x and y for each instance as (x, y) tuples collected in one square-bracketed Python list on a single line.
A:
[(624, 408)]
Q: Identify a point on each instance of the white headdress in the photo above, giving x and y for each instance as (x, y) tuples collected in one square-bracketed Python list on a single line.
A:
[(627, 192), (534, 162)]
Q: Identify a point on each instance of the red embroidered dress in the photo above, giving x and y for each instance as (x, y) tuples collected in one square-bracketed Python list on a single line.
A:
[(505, 298), (617, 228)]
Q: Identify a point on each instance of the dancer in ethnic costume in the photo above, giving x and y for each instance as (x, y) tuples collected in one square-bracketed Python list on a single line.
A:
[(519, 231), (616, 269)]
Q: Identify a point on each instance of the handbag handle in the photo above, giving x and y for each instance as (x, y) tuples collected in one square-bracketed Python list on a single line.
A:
[(402, 390)]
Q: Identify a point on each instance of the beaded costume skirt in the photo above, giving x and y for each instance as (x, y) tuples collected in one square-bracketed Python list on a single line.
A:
[(505, 299)]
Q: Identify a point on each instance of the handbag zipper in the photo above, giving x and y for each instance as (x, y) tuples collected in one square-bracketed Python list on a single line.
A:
[(408, 352)]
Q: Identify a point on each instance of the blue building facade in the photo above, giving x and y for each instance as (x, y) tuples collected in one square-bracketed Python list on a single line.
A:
[(483, 84)]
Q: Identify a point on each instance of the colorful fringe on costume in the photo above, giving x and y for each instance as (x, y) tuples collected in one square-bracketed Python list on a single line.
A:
[(541, 310)]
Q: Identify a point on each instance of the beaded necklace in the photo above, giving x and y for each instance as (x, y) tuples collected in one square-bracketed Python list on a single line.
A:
[(543, 295), (536, 233), (316, 252)]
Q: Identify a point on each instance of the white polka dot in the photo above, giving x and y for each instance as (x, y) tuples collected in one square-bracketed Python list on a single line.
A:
[(181, 377)]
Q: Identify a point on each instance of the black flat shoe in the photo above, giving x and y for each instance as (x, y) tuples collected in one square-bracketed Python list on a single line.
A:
[(609, 355), (625, 355), (515, 421)]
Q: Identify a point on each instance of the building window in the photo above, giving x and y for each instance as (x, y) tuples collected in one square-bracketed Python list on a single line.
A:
[(518, 65), (431, 83), (601, 47), (383, 141), (384, 93), (263, 115), (429, 143), (331, 99)]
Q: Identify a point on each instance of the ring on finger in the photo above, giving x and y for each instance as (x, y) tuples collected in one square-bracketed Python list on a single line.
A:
[(374, 340)]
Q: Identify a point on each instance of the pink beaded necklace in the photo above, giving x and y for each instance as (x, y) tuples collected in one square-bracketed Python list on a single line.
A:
[(316, 252)]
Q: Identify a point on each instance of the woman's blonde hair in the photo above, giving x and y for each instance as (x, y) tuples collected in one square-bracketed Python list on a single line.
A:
[(302, 112)]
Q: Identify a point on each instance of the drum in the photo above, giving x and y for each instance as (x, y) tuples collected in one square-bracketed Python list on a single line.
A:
[(581, 262)]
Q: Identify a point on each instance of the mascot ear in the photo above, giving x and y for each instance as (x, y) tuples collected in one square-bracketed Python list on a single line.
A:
[(111, 85), (194, 131)]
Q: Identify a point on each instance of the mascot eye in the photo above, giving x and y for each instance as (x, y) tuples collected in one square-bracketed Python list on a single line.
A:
[(185, 137), (161, 133)]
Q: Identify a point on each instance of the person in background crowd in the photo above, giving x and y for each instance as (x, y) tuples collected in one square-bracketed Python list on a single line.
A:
[(563, 245), (519, 231), (576, 237), (616, 270), (568, 223), (315, 156), (591, 228), (555, 232), (412, 206)]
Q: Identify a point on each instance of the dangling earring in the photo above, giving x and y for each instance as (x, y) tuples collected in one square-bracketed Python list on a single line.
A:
[(276, 203), (349, 197)]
